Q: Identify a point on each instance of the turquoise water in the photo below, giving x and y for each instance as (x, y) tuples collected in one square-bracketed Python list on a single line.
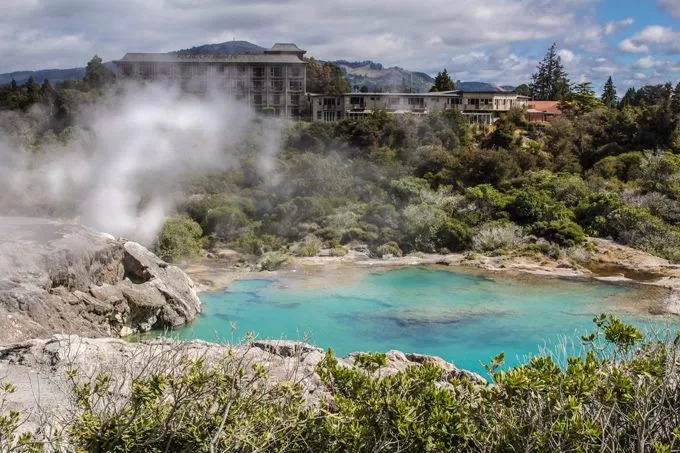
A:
[(460, 316)]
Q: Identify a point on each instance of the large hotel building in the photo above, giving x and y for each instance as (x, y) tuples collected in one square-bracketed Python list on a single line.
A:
[(274, 82)]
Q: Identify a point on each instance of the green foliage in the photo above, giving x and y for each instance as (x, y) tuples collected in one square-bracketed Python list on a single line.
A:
[(443, 82), (389, 248), (97, 75), (271, 261), (562, 232), (618, 393), (550, 81), (310, 246), (609, 97), (179, 238)]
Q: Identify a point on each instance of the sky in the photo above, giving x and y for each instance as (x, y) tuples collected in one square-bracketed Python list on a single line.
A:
[(637, 42)]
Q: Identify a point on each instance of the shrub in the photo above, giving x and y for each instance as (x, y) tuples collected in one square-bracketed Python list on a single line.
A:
[(310, 246), (562, 232), (389, 248), (338, 251), (494, 237), (271, 261), (179, 238), (358, 234)]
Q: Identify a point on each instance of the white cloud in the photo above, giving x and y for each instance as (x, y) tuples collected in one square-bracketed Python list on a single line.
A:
[(664, 39), (395, 32), (614, 26)]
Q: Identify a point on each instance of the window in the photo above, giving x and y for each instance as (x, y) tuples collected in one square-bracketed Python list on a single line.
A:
[(258, 85), (318, 114), (329, 102), (296, 85), (257, 99), (295, 71), (356, 100), (276, 99), (295, 99), (277, 85), (416, 101), (258, 71), (275, 71), (395, 101)]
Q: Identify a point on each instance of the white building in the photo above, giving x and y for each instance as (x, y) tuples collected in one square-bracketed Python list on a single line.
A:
[(478, 107)]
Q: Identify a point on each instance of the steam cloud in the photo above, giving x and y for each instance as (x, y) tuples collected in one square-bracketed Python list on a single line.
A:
[(118, 171)]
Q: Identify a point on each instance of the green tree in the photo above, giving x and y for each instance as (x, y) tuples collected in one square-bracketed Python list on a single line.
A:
[(326, 79), (675, 101), (179, 238), (609, 93), (581, 100), (13, 85), (97, 74), (629, 99), (443, 82), (550, 82), (524, 90)]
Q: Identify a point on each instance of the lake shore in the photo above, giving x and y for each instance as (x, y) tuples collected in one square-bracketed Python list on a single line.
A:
[(607, 262)]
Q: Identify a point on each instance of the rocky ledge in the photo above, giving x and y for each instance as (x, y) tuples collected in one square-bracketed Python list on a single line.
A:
[(65, 278), (39, 368)]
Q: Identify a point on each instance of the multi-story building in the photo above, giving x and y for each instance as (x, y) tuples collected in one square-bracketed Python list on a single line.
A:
[(273, 82), (478, 107)]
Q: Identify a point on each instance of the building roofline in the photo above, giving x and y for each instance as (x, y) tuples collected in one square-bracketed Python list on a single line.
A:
[(428, 94)]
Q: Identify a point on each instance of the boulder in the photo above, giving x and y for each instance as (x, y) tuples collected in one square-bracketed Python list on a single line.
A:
[(58, 277)]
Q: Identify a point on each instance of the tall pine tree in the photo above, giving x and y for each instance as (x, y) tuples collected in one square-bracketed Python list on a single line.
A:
[(443, 82), (550, 82), (675, 101), (609, 93)]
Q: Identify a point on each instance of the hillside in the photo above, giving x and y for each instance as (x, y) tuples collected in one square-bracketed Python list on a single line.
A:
[(224, 48), (374, 76)]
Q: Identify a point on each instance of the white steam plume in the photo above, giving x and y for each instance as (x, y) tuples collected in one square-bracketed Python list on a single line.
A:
[(118, 171)]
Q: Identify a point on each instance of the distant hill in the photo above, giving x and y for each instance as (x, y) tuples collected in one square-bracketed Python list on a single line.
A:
[(482, 86), (225, 48), (374, 76), (53, 75)]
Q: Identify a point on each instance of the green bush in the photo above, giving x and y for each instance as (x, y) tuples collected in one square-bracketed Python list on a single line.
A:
[(389, 248), (562, 232), (179, 238), (338, 251), (272, 261), (310, 246), (619, 393)]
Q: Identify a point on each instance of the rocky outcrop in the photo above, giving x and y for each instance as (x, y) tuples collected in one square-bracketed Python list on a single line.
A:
[(65, 278), (38, 368)]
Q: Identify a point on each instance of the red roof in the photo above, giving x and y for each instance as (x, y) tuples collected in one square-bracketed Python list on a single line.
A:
[(546, 106)]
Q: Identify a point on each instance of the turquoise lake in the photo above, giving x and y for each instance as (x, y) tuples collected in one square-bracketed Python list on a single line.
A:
[(464, 317)]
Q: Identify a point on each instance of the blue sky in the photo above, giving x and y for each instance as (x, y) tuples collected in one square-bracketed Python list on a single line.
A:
[(635, 41)]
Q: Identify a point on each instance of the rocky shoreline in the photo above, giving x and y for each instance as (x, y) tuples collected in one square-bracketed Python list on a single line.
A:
[(607, 262)]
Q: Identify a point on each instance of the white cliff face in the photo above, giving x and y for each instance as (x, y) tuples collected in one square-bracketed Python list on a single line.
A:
[(65, 278)]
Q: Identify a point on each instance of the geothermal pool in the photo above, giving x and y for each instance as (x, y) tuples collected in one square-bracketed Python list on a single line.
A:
[(464, 317)]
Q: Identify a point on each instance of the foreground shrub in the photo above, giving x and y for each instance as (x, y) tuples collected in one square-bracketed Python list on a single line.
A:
[(620, 393), (179, 238)]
